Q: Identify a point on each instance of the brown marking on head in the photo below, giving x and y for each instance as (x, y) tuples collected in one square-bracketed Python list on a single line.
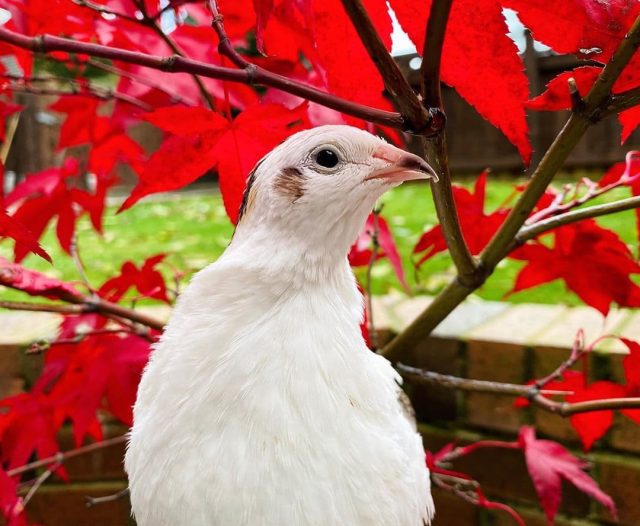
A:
[(290, 182)]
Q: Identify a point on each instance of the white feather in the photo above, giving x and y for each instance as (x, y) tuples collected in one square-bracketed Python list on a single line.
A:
[(262, 406)]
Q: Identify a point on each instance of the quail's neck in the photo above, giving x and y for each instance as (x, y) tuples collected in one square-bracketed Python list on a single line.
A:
[(318, 257)]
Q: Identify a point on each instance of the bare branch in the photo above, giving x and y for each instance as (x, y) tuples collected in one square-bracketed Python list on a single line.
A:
[(468, 384), (432, 51), (83, 89), (44, 307), (65, 455), (404, 98), (623, 101), (104, 10), (224, 44), (534, 230), (95, 501), (40, 481), (435, 148), (176, 64)]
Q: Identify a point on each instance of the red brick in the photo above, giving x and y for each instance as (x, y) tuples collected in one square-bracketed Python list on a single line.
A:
[(432, 402), (65, 505), (620, 477), (625, 435), (500, 362)]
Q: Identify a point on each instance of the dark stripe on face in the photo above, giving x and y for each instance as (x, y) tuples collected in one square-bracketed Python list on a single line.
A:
[(247, 190)]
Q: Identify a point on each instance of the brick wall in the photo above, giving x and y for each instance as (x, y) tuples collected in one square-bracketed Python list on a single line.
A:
[(480, 340)]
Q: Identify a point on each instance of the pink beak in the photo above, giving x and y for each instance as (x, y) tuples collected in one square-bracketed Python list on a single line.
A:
[(402, 166)]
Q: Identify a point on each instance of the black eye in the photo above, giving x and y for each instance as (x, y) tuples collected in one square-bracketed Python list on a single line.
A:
[(327, 158)]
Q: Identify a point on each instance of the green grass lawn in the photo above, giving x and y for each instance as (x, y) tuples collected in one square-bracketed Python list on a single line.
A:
[(193, 230)]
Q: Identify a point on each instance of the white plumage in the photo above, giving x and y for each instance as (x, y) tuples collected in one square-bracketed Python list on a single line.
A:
[(261, 405)]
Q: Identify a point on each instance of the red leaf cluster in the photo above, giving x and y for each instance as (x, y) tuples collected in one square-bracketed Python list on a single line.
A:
[(477, 226), (548, 464), (147, 280), (591, 426), (362, 250)]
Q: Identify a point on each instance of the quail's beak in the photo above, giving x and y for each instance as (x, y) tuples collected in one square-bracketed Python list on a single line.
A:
[(401, 166)]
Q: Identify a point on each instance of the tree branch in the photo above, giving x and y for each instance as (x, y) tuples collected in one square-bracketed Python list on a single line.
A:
[(623, 101), (65, 455), (106, 11), (84, 90), (152, 23), (45, 307), (468, 384), (502, 242), (529, 232), (435, 148), (530, 392), (176, 64), (224, 44), (404, 98), (175, 97)]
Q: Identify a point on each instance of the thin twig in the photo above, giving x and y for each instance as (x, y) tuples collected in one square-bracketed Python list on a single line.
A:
[(529, 391), (91, 91), (468, 384), (65, 455), (77, 261), (40, 481), (375, 247), (529, 232), (175, 64), (623, 101), (153, 24), (95, 501), (435, 148), (104, 10), (44, 307), (109, 68), (402, 95)]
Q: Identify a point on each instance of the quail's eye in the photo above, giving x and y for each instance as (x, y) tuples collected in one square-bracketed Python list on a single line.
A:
[(327, 158)]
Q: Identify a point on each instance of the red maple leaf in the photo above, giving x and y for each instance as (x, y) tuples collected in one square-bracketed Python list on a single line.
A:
[(629, 120), (476, 46), (45, 196), (592, 261), (23, 237), (631, 365), (557, 95), (27, 427), (102, 371), (587, 28), (477, 226), (361, 252), (203, 140), (34, 283), (548, 464), (147, 280), (11, 506), (592, 425), (338, 48)]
